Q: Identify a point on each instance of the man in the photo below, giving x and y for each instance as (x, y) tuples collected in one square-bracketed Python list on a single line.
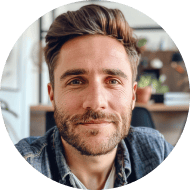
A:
[(92, 58)]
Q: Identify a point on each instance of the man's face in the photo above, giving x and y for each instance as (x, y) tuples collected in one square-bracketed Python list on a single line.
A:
[(93, 94)]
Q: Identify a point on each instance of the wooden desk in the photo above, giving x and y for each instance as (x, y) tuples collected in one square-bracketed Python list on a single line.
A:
[(44, 108), (164, 108)]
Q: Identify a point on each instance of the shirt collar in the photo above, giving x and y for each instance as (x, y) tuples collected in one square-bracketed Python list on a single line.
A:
[(123, 165), (63, 168)]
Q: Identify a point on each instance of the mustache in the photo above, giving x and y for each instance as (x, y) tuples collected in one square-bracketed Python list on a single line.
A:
[(93, 115)]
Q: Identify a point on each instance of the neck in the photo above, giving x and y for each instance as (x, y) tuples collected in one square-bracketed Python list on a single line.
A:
[(92, 171)]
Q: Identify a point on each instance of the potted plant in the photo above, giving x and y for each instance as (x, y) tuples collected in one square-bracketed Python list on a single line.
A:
[(158, 89), (142, 44), (144, 89), (148, 86)]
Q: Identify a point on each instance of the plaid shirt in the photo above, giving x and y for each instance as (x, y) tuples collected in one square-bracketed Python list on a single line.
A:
[(137, 155)]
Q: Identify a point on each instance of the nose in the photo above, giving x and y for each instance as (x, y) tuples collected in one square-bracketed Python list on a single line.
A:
[(95, 97)]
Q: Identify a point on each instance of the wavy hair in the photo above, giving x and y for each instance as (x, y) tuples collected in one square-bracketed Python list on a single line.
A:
[(90, 20)]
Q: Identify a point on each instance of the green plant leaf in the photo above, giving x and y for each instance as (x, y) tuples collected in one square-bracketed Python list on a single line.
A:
[(142, 42)]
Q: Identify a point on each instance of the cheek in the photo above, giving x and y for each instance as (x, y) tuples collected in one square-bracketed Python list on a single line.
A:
[(121, 101), (122, 97), (67, 101)]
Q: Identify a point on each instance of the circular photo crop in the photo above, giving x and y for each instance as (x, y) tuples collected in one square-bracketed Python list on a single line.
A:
[(94, 95)]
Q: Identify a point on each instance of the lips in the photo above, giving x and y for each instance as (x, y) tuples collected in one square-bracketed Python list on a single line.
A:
[(95, 122)]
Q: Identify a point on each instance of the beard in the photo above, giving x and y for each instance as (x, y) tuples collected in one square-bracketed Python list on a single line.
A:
[(81, 139)]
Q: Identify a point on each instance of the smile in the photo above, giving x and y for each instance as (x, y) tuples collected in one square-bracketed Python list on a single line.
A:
[(95, 122)]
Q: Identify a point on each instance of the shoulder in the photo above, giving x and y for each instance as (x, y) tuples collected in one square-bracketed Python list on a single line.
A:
[(33, 146), (144, 134), (151, 141), (38, 151), (147, 149)]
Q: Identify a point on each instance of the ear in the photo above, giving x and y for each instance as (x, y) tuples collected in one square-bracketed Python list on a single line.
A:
[(51, 94), (134, 94)]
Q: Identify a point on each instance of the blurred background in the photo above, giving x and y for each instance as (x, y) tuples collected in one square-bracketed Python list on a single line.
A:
[(163, 86)]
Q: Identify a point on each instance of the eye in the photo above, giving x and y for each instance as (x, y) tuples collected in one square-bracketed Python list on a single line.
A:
[(112, 81), (75, 82)]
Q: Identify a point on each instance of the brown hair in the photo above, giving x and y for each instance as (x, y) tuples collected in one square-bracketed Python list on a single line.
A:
[(89, 20)]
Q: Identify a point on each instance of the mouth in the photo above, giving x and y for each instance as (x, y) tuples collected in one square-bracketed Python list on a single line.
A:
[(95, 122)]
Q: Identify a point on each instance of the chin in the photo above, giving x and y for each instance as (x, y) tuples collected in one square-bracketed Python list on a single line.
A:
[(96, 149), (95, 144)]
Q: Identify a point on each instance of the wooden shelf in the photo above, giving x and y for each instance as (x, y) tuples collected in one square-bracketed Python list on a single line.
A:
[(45, 108), (162, 107), (150, 107)]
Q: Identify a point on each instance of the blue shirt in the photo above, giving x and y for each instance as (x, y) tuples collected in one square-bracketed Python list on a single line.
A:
[(137, 155)]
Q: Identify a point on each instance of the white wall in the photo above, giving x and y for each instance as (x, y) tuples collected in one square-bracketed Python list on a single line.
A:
[(20, 100), (27, 94)]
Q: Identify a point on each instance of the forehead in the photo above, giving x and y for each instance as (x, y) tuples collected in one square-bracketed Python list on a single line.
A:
[(93, 52)]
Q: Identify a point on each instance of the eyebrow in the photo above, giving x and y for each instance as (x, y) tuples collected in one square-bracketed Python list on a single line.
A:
[(73, 72), (115, 72)]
